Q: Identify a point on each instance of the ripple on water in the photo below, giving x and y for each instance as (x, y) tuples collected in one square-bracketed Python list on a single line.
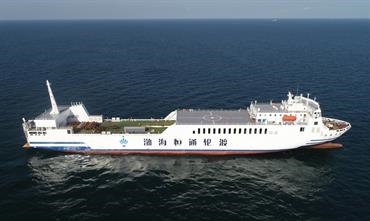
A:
[(149, 68), (202, 187)]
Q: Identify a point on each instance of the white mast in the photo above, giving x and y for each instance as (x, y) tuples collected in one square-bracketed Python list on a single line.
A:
[(54, 107)]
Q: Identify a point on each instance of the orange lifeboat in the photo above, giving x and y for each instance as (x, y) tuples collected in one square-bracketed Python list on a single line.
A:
[(289, 118)]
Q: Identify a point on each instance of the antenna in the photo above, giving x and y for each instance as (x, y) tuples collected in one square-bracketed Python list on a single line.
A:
[(297, 89), (54, 107)]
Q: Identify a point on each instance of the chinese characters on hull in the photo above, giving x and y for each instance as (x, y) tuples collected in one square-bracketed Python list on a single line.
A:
[(192, 142)]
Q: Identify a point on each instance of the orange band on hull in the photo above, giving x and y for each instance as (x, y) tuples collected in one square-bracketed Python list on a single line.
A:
[(326, 146)]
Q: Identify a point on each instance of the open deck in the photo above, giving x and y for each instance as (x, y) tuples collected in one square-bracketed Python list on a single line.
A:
[(334, 124), (123, 126), (213, 117)]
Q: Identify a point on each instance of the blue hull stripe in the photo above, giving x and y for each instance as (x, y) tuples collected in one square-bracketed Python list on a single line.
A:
[(87, 149), (323, 139), (56, 142), (63, 148), (315, 143)]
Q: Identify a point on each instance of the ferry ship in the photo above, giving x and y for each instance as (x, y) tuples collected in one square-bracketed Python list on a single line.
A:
[(261, 128)]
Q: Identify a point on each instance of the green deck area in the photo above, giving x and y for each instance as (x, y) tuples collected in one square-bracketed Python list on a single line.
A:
[(149, 126), (152, 126)]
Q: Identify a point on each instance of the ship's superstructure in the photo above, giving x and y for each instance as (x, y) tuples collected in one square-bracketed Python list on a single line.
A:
[(263, 127)]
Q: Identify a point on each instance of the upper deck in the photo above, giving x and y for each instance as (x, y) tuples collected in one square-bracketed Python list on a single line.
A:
[(48, 116), (294, 110), (213, 117)]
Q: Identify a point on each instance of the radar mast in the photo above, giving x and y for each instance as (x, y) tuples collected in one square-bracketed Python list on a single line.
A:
[(54, 107)]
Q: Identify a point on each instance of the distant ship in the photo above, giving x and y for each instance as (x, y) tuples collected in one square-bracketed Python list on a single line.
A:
[(261, 128)]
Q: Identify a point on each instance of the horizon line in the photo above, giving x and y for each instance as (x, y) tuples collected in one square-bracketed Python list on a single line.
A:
[(133, 19)]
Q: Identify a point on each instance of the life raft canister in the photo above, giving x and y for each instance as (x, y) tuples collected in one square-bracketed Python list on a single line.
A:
[(289, 118)]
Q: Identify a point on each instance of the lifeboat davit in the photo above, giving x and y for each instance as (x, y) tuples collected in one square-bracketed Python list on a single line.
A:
[(289, 118)]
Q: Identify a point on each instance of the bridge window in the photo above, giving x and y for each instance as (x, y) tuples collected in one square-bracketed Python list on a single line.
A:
[(224, 130), (265, 130), (234, 130), (198, 130), (229, 130), (260, 130), (214, 130), (250, 130), (219, 130), (301, 129), (209, 130), (193, 132), (240, 130), (255, 130), (245, 130), (204, 130)]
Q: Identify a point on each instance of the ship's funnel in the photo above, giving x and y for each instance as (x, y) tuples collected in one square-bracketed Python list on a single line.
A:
[(54, 107)]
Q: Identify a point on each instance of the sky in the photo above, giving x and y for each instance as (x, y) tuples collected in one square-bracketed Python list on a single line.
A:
[(181, 9)]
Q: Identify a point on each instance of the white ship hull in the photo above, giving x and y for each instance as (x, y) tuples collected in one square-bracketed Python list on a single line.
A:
[(262, 128), (179, 139)]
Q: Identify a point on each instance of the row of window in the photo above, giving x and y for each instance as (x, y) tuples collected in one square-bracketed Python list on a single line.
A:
[(235, 130), (37, 133), (231, 131)]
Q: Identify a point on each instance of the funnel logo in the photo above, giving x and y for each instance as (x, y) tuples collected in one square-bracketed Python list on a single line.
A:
[(123, 141)]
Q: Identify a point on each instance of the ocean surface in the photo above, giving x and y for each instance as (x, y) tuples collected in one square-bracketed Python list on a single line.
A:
[(147, 68)]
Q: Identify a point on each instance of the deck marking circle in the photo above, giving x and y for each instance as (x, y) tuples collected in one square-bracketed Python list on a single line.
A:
[(212, 118)]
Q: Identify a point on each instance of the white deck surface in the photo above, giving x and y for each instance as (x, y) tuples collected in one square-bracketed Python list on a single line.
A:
[(213, 117)]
